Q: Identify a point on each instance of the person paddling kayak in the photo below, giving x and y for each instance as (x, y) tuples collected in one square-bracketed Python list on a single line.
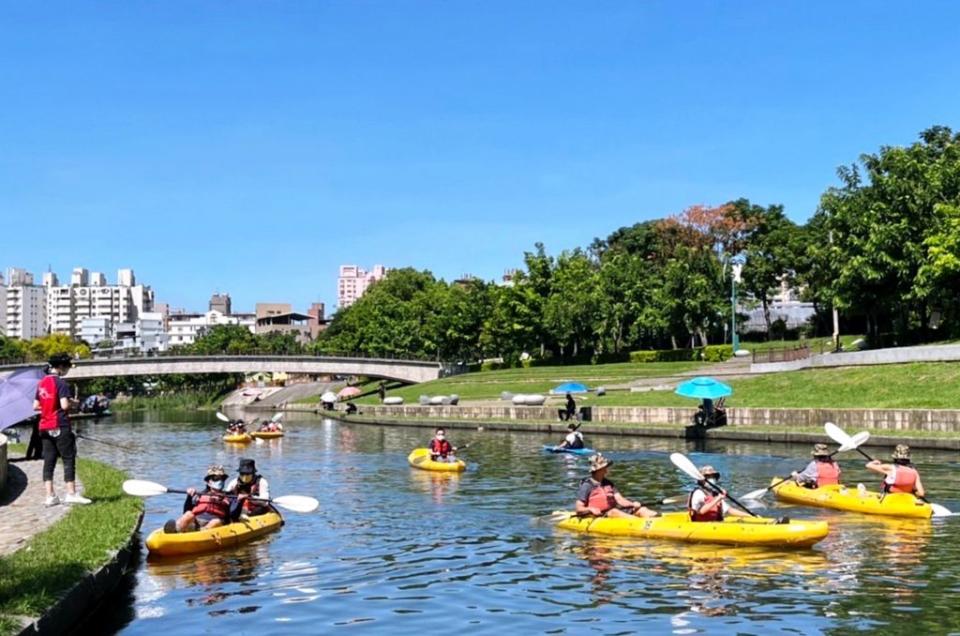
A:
[(441, 450), (598, 497), (901, 475), (821, 471), (208, 508), (249, 483), (574, 438), (705, 504)]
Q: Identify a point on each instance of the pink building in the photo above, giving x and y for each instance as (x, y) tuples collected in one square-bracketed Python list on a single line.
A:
[(353, 282)]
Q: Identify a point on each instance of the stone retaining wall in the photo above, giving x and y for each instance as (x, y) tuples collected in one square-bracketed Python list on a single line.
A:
[(931, 420)]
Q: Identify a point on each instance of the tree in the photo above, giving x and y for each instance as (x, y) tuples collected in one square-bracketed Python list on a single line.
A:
[(229, 339), (571, 310), (43, 348)]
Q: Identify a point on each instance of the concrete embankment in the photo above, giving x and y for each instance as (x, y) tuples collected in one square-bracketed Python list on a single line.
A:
[(922, 428)]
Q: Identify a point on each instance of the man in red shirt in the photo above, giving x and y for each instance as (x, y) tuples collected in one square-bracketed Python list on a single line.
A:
[(53, 402)]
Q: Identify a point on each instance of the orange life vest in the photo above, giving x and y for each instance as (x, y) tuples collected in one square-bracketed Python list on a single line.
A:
[(602, 498), (904, 480), (440, 447), (715, 514), (252, 489), (214, 503), (828, 474)]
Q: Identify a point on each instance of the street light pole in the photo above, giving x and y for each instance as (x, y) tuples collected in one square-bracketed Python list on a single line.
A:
[(735, 271)]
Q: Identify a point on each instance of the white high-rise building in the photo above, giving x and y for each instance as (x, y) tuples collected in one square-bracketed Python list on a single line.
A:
[(354, 281), (186, 328), (89, 296), (3, 307), (25, 306)]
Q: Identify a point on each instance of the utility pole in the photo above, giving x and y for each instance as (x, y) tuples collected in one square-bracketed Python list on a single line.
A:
[(735, 270)]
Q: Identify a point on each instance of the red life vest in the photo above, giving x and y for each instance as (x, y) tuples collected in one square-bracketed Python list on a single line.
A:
[(713, 515), (440, 447), (252, 489), (904, 480), (828, 474), (602, 497), (50, 411), (213, 503)]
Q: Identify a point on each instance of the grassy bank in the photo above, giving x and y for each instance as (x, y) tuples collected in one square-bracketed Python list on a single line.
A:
[(32, 578), (915, 385), (487, 385), (180, 400)]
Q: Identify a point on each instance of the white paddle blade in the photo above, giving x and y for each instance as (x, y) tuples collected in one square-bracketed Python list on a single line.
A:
[(673, 500), (561, 515), (296, 503), (837, 434), (222, 417), (940, 511), (682, 462), (755, 494), (276, 417), (143, 488), (855, 441)]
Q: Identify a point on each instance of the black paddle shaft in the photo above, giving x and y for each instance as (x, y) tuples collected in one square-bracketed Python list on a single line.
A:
[(223, 494), (717, 490)]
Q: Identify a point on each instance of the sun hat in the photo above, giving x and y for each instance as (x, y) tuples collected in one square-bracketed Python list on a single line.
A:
[(820, 450), (597, 462), (902, 451), (709, 470), (247, 467), (215, 471)]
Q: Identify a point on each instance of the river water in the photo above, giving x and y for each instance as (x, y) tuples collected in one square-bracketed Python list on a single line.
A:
[(397, 549)]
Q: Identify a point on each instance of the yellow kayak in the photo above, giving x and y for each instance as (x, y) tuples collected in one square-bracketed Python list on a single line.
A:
[(267, 434), (163, 544), (420, 458), (238, 438), (677, 526), (844, 498)]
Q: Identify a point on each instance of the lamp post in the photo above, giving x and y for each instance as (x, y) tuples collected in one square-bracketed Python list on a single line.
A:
[(736, 269)]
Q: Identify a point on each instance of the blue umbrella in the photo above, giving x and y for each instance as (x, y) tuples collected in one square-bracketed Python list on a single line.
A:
[(17, 392), (570, 387), (704, 389)]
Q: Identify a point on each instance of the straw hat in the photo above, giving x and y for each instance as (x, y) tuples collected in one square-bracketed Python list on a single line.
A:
[(902, 451), (597, 462), (820, 450)]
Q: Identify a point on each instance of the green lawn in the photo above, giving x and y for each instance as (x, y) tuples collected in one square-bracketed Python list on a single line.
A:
[(815, 344), (32, 578), (487, 385), (915, 385)]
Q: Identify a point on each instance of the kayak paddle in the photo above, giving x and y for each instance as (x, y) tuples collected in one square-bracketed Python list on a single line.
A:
[(296, 503), (100, 441), (222, 417), (836, 434), (682, 462), (850, 444)]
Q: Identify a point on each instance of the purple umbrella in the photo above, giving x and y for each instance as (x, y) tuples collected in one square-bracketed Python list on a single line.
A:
[(17, 392)]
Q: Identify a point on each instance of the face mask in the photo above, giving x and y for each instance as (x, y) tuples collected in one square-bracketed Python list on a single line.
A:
[(246, 478), (713, 479), (216, 484), (440, 435)]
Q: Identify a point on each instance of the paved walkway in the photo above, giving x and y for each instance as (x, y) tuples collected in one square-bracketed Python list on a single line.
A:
[(22, 513)]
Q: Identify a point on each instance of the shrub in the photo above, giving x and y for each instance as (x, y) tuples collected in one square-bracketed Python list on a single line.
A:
[(717, 353)]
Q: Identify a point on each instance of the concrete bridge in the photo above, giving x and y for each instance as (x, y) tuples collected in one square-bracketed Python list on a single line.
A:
[(408, 371)]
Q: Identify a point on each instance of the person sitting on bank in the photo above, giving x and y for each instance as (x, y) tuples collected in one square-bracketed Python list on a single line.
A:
[(249, 486), (901, 475), (207, 508), (570, 412), (440, 448), (598, 496), (821, 471), (705, 504), (574, 438)]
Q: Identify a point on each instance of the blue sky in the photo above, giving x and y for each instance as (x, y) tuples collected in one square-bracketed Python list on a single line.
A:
[(252, 147)]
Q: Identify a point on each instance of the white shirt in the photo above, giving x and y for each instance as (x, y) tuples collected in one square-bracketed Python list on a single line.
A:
[(264, 487), (573, 437), (699, 498)]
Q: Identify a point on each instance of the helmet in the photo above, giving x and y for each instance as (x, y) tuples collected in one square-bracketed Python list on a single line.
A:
[(820, 450), (216, 471), (902, 451)]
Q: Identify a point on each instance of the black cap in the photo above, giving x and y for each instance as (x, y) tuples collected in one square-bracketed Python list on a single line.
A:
[(247, 467), (60, 361)]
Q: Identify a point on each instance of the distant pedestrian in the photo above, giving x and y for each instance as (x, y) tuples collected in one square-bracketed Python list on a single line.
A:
[(382, 391), (57, 437), (571, 410)]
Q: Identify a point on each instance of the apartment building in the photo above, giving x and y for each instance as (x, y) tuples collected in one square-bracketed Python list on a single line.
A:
[(354, 281), (25, 306)]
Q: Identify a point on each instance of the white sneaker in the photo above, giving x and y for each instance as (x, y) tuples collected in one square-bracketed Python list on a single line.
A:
[(73, 498), (52, 500)]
